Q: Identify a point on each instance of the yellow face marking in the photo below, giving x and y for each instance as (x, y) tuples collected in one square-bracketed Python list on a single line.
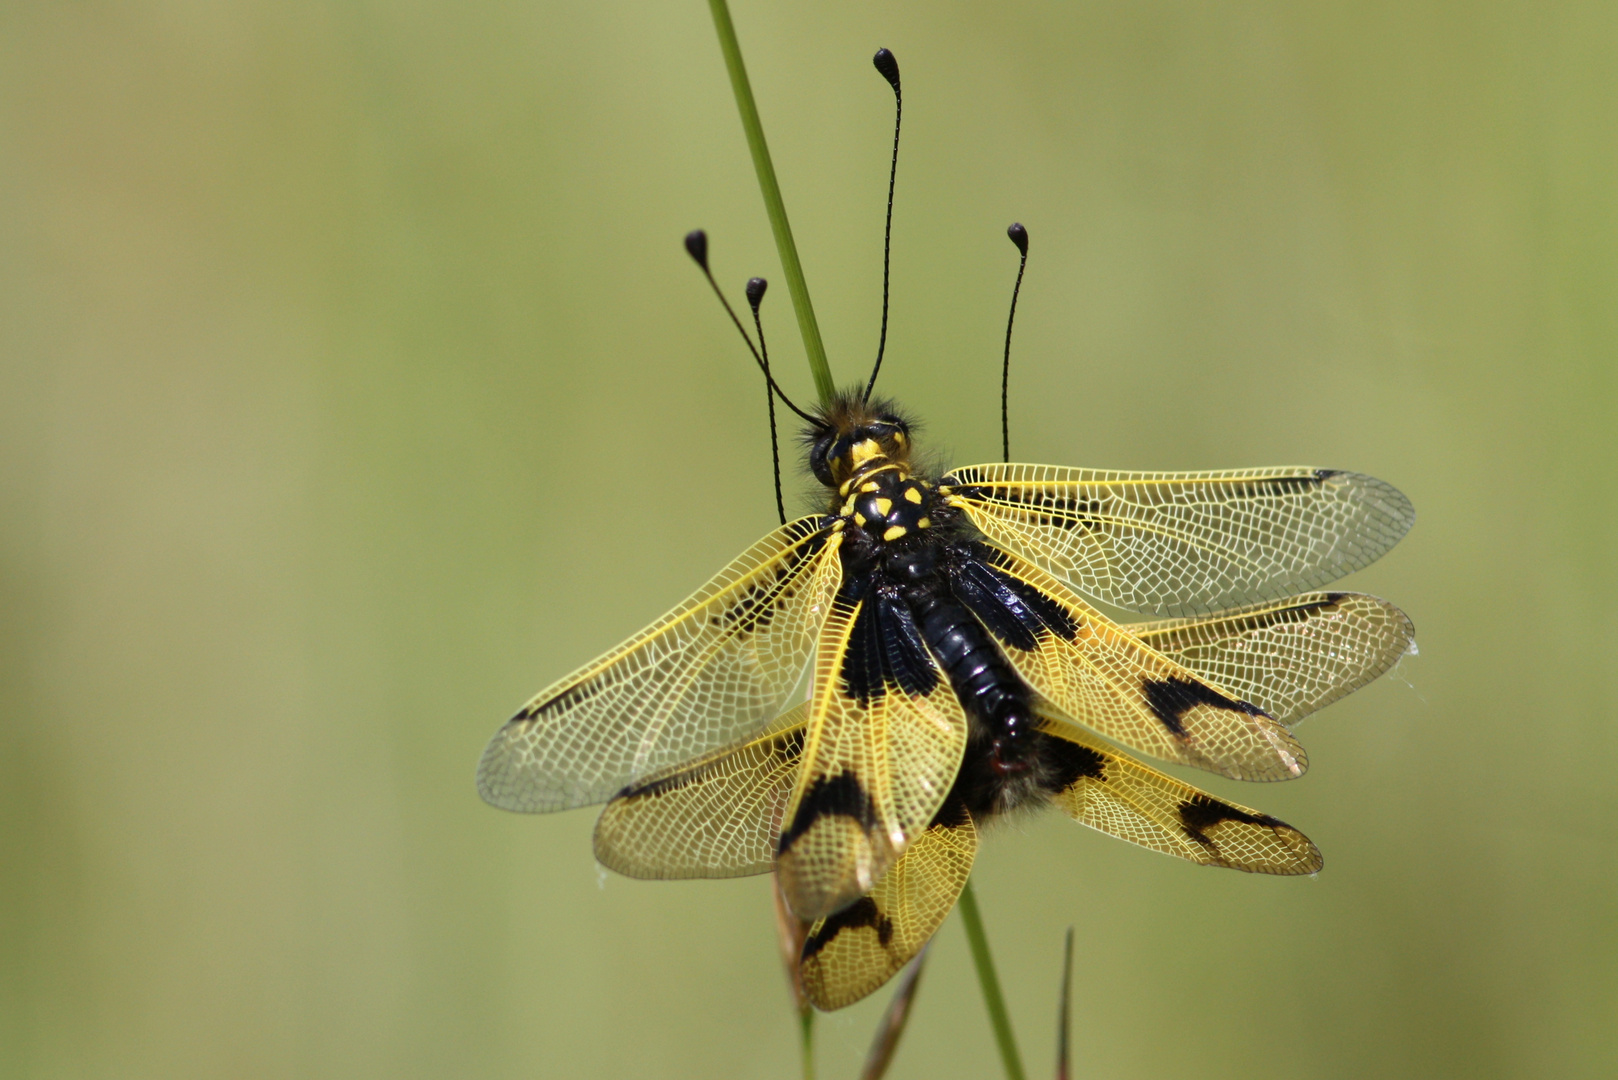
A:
[(894, 533), (913, 495), (924, 523), (883, 506), (864, 451)]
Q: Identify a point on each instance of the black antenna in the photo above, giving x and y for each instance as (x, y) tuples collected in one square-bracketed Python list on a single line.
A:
[(1019, 236), (755, 297), (696, 245), (889, 67)]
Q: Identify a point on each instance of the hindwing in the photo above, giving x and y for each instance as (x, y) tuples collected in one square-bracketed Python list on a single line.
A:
[(1093, 671), (719, 816), (883, 742), (1289, 657), (1124, 798), (712, 671), (1184, 543), (853, 952)]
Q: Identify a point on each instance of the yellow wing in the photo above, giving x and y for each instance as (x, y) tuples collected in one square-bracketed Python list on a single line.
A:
[(1123, 798), (883, 743), (719, 816), (712, 671), (1184, 543), (852, 953), (1289, 657), (1096, 673)]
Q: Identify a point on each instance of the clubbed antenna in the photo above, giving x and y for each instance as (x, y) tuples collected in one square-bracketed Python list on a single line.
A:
[(888, 66), (696, 245), (755, 296), (1019, 236)]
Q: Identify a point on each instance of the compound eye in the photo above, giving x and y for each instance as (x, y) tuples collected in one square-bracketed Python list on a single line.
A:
[(818, 462), (881, 431)]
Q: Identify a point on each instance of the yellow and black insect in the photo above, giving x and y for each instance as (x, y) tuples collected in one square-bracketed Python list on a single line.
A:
[(957, 672)]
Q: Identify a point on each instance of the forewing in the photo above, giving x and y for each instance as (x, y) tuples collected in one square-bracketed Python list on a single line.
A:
[(1123, 798), (709, 673), (1097, 674), (883, 744), (719, 816), (1185, 543), (1289, 657), (850, 954)]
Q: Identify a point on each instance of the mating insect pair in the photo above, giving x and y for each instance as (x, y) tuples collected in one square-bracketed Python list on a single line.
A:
[(956, 673)]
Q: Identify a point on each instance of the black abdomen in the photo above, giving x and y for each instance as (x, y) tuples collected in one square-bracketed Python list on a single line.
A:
[(983, 681)]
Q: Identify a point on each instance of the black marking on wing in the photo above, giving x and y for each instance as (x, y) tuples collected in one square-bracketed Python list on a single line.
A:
[(759, 602), (567, 699), (1330, 600), (1263, 620), (1201, 812), (787, 747), (953, 814), (1279, 485), (837, 796), (1062, 511), (886, 650), (1170, 699), (1068, 761), (861, 913), (751, 613)]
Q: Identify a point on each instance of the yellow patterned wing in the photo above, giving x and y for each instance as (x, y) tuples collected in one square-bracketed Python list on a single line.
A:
[(711, 672), (719, 816), (883, 743), (1184, 543), (1121, 797), (1289, 657), (1097, 674), (853, 952)]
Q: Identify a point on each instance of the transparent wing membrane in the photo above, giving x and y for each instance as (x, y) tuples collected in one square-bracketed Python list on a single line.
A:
[(719, 816), (1185, 543), (1289, 657), (1095, 673), (711, 672), (852, 953), (875, 771), (1124, 798)]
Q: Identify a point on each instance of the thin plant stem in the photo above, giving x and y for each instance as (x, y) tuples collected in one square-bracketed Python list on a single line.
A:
[(993, 1001), (806, 1043), (807, 326)]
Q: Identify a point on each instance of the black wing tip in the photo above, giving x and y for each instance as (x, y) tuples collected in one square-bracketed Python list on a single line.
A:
[(1203, 812)]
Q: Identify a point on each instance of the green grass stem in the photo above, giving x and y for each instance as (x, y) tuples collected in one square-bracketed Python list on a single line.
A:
[(813, 347), (993, 1001)]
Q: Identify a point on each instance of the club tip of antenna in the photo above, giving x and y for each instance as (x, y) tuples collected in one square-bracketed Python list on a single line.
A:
[(888, 65), (696, 245), (1018, 234), (755, 291)]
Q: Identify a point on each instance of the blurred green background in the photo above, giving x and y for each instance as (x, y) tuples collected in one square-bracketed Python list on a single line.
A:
[(354, 385)]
